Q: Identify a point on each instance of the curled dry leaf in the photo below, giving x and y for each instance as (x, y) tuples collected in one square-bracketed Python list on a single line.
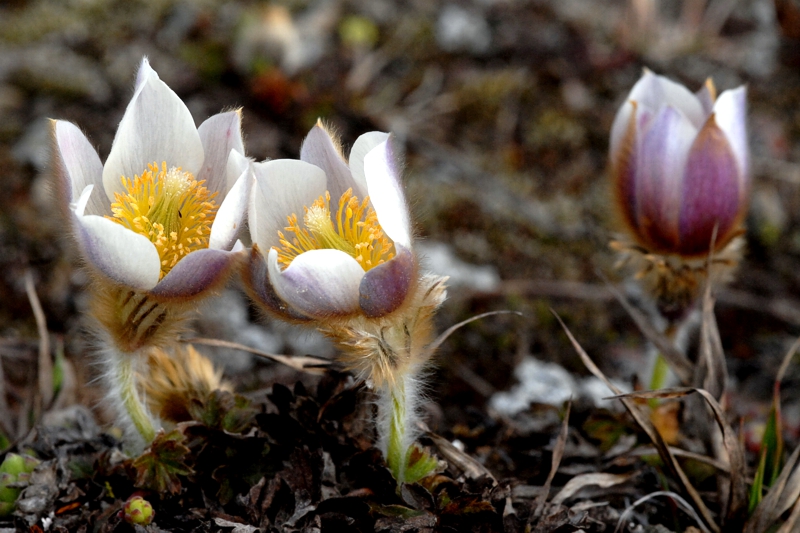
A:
[(600, 479), (643, 420), (737, 499)]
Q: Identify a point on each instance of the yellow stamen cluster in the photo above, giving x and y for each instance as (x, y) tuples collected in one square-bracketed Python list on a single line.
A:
[(170, 208), (354, 230)]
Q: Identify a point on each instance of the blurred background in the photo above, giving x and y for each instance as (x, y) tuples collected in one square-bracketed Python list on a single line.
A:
[(503, 109)]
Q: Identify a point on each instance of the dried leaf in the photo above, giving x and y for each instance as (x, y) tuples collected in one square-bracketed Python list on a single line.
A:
[(737, 498), (558, 453), (600, 479), (782, 495), (468, 464), (643, 420)]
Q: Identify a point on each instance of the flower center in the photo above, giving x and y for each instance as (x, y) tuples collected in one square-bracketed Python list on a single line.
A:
[(169, 207), (354, 230)]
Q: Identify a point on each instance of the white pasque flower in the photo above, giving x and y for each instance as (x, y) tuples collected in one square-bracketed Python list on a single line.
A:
[(335, 237), (162, 215)]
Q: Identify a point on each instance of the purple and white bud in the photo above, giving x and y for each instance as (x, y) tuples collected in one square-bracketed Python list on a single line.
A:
[(680, 165)]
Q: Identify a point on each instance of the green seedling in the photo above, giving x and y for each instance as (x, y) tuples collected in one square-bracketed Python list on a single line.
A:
[(14, 472)]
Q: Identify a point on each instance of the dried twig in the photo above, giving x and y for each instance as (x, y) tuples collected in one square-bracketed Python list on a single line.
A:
[(303, 363), (45, 361)]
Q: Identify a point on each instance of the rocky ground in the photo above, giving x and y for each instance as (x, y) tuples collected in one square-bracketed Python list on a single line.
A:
[(503, 108)]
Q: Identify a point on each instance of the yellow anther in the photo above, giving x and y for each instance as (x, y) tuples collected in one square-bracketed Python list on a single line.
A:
[(354, 230), (169, 207)]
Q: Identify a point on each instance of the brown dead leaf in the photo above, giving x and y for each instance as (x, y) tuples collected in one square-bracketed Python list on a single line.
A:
[(599, 479), (643, 420), (737, 499)]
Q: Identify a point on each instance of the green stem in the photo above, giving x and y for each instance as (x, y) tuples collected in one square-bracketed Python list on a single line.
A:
[(660, 373), (126, 384), (658, 379), (396, 449)]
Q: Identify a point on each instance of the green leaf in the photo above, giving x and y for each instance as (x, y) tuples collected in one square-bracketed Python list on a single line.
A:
[(772, 441), (419, 464), (159, 468), (223, 410), (757, 488)]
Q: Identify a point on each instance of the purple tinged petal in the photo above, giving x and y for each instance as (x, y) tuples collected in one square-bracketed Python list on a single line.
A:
[(122, 255), (156, 127), (77, 165), (220, 134), (196, 273), (320, 149), (386, 193), (623, 157), (282, 187), (256, 280), (712, 194), (363, 145), (662, 158), (231, 213), (385, 287), (730, 114), (319, 283)]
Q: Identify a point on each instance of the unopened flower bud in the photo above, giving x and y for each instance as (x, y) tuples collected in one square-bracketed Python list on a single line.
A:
[(138, 511), (680, 165)]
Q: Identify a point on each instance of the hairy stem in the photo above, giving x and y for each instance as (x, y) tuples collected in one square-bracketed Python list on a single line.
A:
[(397, 448), (139, 426)]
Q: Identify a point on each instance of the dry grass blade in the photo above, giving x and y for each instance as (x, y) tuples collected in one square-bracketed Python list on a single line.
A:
[(303, 363), (599, 479), (558, 453), (737, 500), (683, 504), (787, 360), (449, 331), (643, 420), (45, 362), (791, 523), (716, 378), (774, 503), (677, 361)]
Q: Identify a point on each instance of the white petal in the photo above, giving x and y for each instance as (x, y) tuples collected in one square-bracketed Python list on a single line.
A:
[(655, 91), (620, 128), (730, 113), (282, 187), (156, 127), (363, 145), (83, 199), (82, 165), (220, 134), (320, 149), (386, 193), (231, 214), (122, 255), (319, 283)]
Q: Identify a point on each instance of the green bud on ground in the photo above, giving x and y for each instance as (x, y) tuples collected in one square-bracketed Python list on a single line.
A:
[(138, 511)]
